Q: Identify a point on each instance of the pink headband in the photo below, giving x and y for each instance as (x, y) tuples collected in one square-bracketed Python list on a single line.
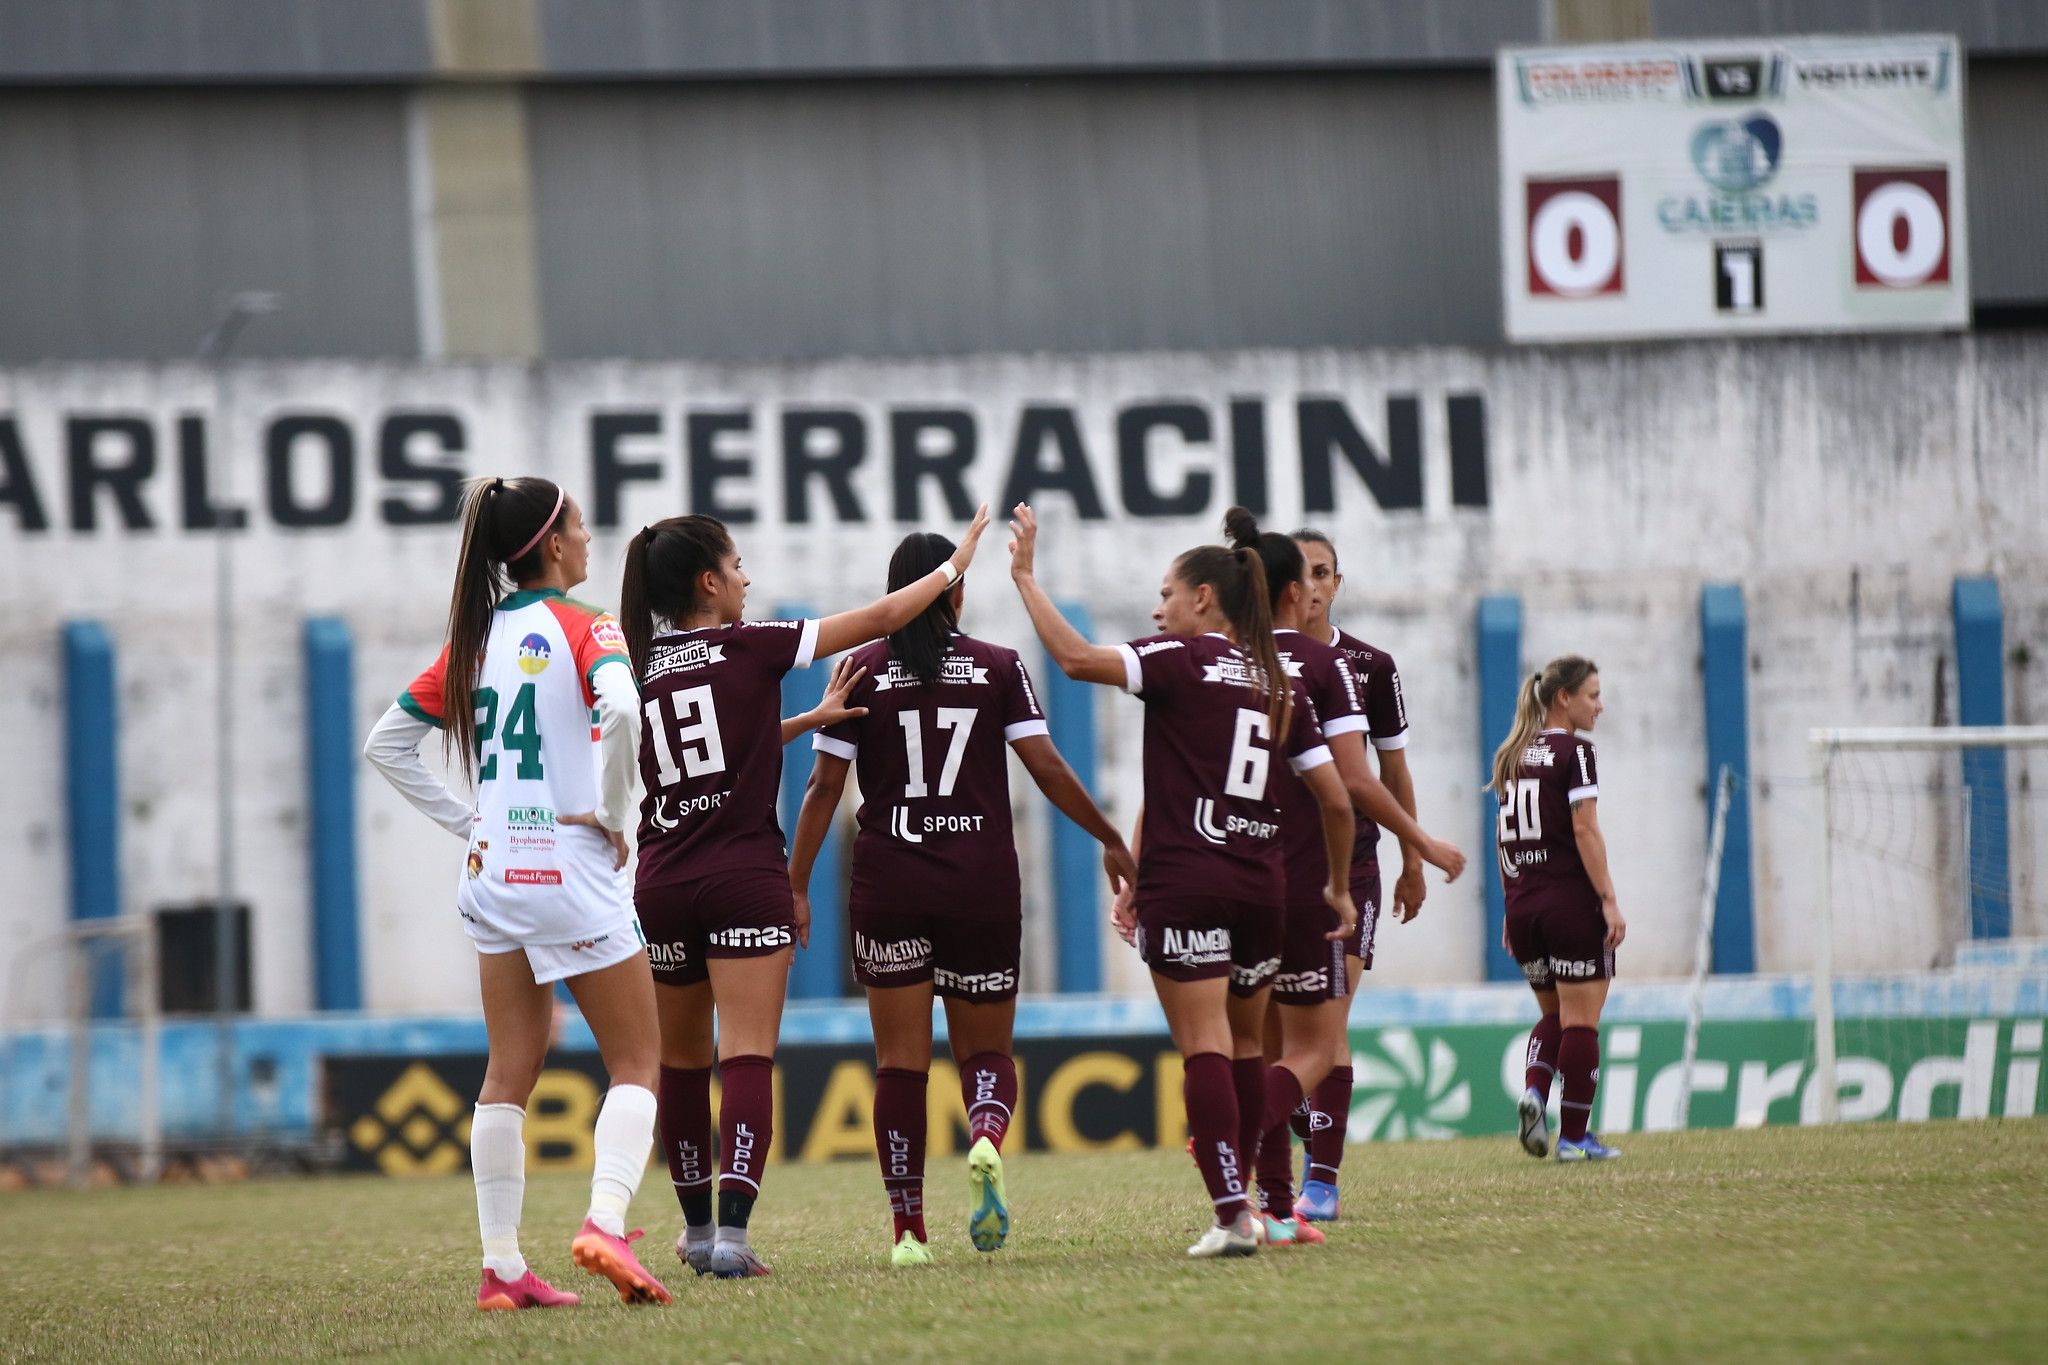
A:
[(527, 548)]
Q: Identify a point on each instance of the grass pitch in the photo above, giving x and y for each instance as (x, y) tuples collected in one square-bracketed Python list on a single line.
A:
[(1888, 1241)]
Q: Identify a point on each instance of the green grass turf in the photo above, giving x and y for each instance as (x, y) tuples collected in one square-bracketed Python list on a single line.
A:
[(1901, 1242)]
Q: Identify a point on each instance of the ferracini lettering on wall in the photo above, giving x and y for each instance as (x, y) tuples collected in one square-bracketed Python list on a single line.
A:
[(135, 470)]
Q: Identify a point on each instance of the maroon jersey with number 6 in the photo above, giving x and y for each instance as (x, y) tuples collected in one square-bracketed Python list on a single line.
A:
[(1386, 716), (711, 748), (935, 832), (1325, 674), (1212, 819), (1538, 850)]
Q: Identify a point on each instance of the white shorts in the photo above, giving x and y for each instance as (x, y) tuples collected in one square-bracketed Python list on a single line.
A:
[(558, 961)]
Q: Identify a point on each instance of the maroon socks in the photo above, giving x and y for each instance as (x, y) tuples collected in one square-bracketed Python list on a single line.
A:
[(1578, 1064), (988, 1086), (686, 1137), (1248, 1080), (746, 1125), (1541, 1063), (899, 1146), (1330, 1112), (1211, 1099)]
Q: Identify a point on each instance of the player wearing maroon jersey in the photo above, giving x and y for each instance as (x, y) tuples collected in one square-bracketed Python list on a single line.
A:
[(1563, 922), (1322, 1128), (1207, 917), (935, 904), (712, 887), (1311, 993)]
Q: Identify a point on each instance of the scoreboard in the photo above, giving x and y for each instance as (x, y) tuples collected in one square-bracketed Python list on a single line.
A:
[(1768, 185)]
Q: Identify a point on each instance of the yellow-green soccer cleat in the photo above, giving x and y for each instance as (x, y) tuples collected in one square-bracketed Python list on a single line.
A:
[(909, 1252), (989, 1224)]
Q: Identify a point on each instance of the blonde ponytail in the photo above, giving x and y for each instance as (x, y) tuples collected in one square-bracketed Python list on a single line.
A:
[(1566, 673)]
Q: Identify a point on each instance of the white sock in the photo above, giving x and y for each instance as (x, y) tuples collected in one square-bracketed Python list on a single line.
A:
[(497, 1156), (624, 1138)]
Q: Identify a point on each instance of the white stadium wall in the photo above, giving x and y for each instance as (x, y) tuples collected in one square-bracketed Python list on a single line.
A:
[(1842, 484)]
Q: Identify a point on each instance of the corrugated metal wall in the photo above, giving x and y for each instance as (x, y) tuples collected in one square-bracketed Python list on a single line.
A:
[(2005, 142), (999, 215), (130, 217)]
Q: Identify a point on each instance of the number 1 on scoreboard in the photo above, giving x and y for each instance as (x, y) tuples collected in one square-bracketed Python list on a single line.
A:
[(1739, 277)]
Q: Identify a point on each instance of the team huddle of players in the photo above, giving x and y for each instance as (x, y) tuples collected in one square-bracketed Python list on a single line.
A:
[(1250, 887)]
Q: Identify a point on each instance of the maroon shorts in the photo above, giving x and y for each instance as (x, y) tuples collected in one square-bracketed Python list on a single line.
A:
[(1365, 894), (1558, 934), (1199, 938), (964, 959), (1311, 966), (731, 914)]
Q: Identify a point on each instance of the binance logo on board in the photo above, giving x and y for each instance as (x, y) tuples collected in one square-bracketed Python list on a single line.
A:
[(417, 1127)]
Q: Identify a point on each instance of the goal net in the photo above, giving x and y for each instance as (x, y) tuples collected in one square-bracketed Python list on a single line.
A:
[(1930, 933)]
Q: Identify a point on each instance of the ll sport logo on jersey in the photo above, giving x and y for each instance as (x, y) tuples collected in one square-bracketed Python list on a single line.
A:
[(533, 654)]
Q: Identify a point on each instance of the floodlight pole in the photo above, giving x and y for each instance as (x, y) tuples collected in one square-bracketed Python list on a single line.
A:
[(213, 350)]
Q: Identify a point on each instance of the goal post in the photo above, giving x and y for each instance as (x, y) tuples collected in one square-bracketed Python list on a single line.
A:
[(1929, 880)]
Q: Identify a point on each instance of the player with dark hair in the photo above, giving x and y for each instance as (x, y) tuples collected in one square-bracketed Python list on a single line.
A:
[(515, 691), (1207, 915), (935, 904), (1322, 1129), (1305, 1028), (713, 883), (1563, 922)]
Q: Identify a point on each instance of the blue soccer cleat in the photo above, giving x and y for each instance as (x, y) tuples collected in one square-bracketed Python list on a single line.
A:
[(1587, 1148), (1535, 1124), (1318, 1202)]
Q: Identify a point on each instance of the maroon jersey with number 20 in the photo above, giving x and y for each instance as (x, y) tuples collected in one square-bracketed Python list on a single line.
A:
[(1538, 850), (1212, 820), (934, 779), (711, 748)]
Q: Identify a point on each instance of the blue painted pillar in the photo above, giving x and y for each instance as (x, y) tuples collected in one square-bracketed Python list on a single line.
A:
[(92, 795), (1500, 679), (1077, 883), (1980, 700), (820, 969), (1724, 680), (331, 801)]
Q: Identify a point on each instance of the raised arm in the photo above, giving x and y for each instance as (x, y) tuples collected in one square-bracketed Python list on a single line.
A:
[(899, 608), (1070, 650), (813, 822), (1050, 771), (832, 707), (1593, 853), (1377, 803)]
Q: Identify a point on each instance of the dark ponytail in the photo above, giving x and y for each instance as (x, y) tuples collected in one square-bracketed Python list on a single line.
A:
[(921, 645), (1238, 578), (1279, 555), (663, 563), (500, 517)]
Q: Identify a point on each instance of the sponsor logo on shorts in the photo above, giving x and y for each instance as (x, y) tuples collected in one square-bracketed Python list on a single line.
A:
[(891, 954), (532, 876), (975, 983), (1315, 982), (583, 944), (668, 956), (1195, 947), (1255, 974), (747, 936), (1537, 971), (1579, 968), (533, 654)]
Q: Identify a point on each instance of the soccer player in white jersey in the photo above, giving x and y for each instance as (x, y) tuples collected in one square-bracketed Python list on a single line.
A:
[(535, 698)]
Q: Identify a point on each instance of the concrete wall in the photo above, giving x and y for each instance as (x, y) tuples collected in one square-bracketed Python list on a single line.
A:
[(1843, 484)]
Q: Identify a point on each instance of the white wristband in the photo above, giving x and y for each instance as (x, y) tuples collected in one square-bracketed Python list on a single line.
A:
[(952, 574)]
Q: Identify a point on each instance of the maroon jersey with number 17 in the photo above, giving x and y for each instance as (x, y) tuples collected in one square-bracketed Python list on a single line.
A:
[(1538, 850), (711, 748), (934, 819), (1212, 818)]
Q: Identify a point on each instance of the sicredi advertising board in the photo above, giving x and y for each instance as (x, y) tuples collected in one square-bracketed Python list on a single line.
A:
[(1737, 186)]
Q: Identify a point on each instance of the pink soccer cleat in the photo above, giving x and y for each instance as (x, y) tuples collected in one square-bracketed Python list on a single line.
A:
[(528, 1291), (600, 1253)]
